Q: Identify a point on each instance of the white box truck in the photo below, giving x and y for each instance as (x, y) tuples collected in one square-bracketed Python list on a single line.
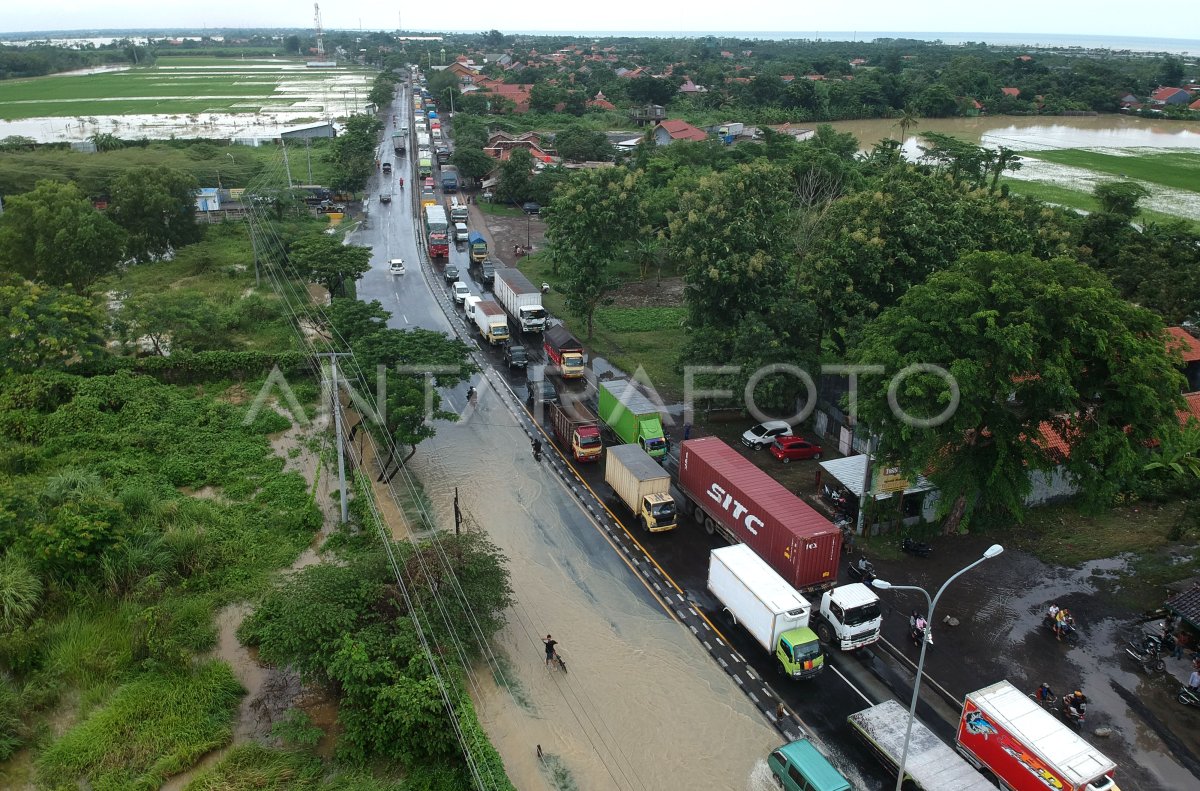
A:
[(643, 485), (521, 299), (491, 321), (461, 232), (773, 612)]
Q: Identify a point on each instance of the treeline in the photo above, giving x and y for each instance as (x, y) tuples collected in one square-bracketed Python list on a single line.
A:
[(38, 61), (798, 254)]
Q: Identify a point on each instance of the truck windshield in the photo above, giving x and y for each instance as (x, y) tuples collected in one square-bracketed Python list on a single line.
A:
[(499, 331), (540, 313), (867, 612), (572, 359), (663, 511), (806, 652), (591, 441), (655, 444)]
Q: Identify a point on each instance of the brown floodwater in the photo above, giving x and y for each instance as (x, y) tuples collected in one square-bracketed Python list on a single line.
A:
[(1026, 133), (642, 706)]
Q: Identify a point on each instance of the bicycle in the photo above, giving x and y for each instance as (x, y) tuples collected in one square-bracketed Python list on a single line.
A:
[(557, 661)]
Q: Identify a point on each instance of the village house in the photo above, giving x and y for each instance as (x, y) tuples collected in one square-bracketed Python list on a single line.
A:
[(1169, 96), (501, 145), (667, 132)]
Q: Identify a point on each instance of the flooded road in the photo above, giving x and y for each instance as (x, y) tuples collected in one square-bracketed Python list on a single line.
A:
[(642, 706)]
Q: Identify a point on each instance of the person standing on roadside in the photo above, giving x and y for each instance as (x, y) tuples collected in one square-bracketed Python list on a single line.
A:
[(550, 643)]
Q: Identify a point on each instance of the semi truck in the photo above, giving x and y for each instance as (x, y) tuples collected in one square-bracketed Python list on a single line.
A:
[(632, 417), (399, 142), (449, 179), (642, 485), (457, 209), (1005, 732), (729, 495), (423, 140), (931, 764), (773, 612), (491, 321), (521, 299), (563, 350), (425, 167), (577, 429), (477, 245), (439, 232)]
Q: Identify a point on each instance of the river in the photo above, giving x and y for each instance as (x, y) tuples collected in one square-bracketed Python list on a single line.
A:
[(1033, 133)]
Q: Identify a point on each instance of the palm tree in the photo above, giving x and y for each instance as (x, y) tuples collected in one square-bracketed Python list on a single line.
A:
[(907, 120)]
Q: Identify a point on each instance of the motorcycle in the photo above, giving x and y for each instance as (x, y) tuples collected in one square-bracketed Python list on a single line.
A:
[(1069, 633), (1146, 654), (918, 633), (918, 548), (865, 576), (834, 497), (1073, 713), (1188, 697)]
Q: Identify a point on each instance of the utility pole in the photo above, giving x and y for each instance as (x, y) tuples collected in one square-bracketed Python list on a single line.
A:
[(286, 165), (457, 513), (308, 151), (337, 423)]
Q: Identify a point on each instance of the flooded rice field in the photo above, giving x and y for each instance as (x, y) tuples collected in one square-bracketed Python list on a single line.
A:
[(642, 706)]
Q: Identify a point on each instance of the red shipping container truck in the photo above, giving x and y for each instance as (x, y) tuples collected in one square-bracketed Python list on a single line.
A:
[(731, 496), (1009, 734)]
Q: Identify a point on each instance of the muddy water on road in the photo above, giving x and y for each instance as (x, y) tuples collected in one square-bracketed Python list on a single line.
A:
[(642, 706), (1000, 606)]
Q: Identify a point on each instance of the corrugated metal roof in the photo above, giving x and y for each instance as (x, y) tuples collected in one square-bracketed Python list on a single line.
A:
[(1187, 606), (850, 470)]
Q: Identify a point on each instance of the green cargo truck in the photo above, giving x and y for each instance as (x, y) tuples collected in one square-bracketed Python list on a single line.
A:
[(632, 417)]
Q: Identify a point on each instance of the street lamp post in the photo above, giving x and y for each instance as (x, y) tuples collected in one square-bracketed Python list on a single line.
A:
[(992, 551)]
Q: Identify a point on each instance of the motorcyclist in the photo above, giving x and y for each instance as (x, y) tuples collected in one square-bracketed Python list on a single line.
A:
[(1044, 693), (1075, 704), (402, 182), (470, 393), (537, 448)]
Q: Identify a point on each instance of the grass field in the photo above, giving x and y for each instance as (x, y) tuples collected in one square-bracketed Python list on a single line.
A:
[(1177, 169), (1083, 200), (182, 86)]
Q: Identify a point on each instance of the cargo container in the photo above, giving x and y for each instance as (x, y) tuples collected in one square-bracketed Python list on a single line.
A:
[(773, 612), (562, 349), (1027, 748), (642, 485), (930, 765), (438, 231), (491, 321), (577, 429), (477, 245), (400, 141), (521, 299), (632, 417), (728, 494)]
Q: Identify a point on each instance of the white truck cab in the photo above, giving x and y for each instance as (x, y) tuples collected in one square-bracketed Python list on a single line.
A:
[(850, 617)]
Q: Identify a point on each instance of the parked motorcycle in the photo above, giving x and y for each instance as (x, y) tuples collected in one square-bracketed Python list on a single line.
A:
[(1188, 697), (863, 575), (1147, 654), (918, 548), (835, 497), (1069, 633)]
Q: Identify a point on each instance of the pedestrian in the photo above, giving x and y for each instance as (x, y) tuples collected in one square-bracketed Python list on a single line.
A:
[(550, 643), (1182, 641), (687, 431), (1194, 681)]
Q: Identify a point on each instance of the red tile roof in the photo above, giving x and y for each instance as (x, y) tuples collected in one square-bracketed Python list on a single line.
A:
[(1194, 105), (1192, 413), (1162, 94), (682, 130), (1014, 92), (1051, 440), (1183, 342)]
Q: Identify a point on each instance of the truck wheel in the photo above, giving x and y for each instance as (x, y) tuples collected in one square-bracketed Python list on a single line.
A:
[(824, 633), (710, 526)]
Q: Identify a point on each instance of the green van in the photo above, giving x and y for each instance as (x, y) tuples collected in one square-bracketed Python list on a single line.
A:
[(799, 766)]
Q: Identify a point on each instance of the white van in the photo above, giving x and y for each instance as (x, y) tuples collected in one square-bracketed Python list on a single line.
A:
[(461, 291), (460, 232), (469, 304)]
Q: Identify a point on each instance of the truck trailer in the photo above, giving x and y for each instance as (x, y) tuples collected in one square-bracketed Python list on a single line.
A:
[(565, 351), (438, 231), (521, 299), (931, 764), (1007, 733), (400, 142), (491, 321), (643, 485), (577, 429), (728, 494), (632, 417), (773, 612), (449, 179), (477, 246)]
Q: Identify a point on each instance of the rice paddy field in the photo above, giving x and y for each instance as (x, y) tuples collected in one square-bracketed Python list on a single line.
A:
[(184, 96)]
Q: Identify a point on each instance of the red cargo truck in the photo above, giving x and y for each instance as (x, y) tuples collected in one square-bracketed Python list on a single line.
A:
[(577, 429), (729, 495), (563, 350)]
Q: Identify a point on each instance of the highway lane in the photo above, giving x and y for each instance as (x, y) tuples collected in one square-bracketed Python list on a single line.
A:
[(823, 703)]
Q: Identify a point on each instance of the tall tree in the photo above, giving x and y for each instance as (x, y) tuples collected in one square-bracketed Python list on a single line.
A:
[(157, 208), (516, 176), (593, 220), (53, 235), (41, 327), (324, 259), (1039, 350)]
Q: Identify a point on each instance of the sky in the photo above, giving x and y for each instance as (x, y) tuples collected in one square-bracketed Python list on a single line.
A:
[(1093, 17)]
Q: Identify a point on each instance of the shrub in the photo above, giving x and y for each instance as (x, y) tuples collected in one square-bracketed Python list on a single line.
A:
[(20, 591)]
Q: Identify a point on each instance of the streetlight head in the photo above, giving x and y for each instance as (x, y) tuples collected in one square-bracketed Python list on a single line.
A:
[(993, 551), (880, 584)]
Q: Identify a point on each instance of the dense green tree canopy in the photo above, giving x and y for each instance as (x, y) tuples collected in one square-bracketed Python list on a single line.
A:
[(42, 327), (324, 259), (157, 209)]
